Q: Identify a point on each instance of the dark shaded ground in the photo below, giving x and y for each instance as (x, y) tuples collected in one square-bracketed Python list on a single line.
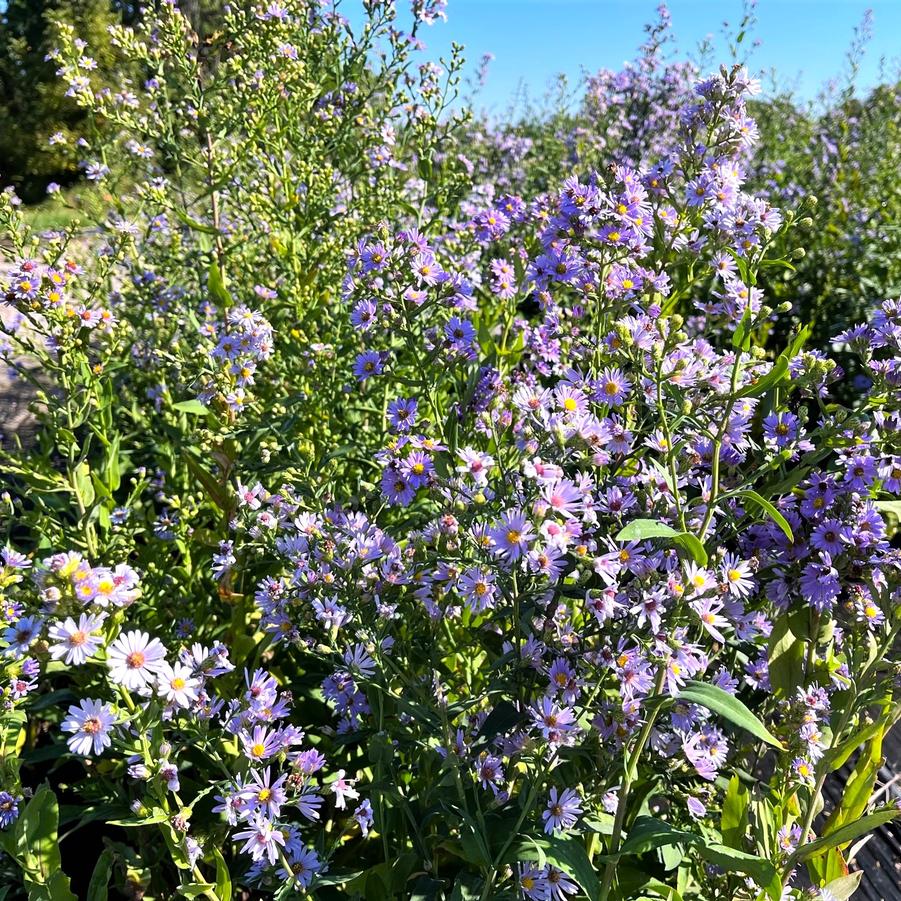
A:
[(16, 422)]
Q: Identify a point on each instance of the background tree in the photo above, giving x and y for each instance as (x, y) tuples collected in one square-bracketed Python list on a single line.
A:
[(33, 105)]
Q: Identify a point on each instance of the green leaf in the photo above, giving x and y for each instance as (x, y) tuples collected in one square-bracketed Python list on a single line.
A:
[(84, 485), (223, 877), (640, 529), (734, 861), (195, 889), (777, 264), (780, 368), (566, 854), (889, 507), (768, 508), (12, 732), (693, 545), (734, 820), (37, 848), (113, 466), (156, 816), (503, 718), (193, 406), (844, 887), (847, 833), (466, 888), (98, 886), (776, 374), (729, 707), (216, 492), (839, 755), (741, 337), (859, 786), (649, 833), (786, 658), (216, 286), (194, 224)]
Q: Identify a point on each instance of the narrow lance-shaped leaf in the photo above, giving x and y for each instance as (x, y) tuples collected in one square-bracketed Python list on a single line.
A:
[(648, 833), (770, 510), (640, 529), (729, 707), (734, 861), (848, 833)]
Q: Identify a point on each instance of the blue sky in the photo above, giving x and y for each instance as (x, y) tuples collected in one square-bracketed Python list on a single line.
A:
[(532, 40)]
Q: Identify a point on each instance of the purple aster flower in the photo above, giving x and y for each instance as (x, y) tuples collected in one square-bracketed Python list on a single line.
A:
[(490, 772), (20, 636), (512, 535), (780, 429), (262, 839), (820, 584), (612, 387), (90, 722), (343, 790), (831, 536), (363, 815), (263, 795), (478, 589), (559, 885), (397, 487), (696, 807), (9, 809), (304, 864), (368, 364), (402, 414), (562, 811), (460, 333), (860, 472)]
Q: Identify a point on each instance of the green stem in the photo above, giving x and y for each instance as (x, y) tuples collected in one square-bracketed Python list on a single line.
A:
[(631, 769)]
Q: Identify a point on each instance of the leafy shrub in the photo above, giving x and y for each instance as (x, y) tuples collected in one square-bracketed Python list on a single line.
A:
[(390, 536)]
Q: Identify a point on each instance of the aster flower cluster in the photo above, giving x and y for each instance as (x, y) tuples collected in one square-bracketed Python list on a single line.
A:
[(416, 299), (241, 342), (529, 520), (178, 701), (47, 296)]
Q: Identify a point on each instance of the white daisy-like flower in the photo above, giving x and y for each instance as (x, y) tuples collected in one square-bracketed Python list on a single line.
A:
[(177, 684), (90, 722), (75, 642), (135, 659)]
